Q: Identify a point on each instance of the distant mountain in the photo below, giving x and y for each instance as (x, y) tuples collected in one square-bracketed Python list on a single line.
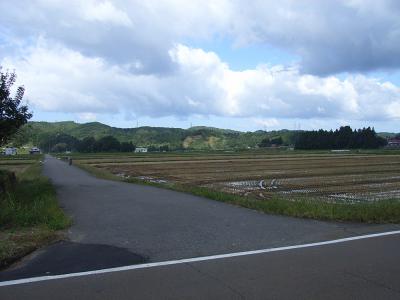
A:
[(387, 134), (198, 138)]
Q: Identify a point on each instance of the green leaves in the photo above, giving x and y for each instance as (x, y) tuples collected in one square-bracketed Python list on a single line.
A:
[(12, 114)]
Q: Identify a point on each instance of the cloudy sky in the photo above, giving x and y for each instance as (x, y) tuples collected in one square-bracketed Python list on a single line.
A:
[(236, 64)]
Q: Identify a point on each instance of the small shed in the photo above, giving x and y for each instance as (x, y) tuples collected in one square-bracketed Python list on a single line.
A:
[(10, 151), (140, 150)]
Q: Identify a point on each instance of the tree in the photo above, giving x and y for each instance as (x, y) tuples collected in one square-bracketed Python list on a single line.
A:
[(269, 142), (12, 114), (127, 147), (107, 144), (22, 136), (153, 148), (87, 144), (59, 147), (343, 138), (164, 148), (47, 142)]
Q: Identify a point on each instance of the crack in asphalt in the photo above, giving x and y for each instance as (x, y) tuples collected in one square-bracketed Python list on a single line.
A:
[(371, 281), (225, 284)]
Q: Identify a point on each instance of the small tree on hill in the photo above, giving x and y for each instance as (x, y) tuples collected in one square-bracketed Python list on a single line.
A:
[(12, 114)]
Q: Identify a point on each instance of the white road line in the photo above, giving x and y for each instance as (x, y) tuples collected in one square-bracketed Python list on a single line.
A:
[(190, 260)]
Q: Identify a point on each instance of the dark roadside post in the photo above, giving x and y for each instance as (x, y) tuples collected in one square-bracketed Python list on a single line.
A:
[(70, 161)]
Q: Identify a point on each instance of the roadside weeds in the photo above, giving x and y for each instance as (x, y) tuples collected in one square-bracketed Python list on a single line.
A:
[(30, 216)]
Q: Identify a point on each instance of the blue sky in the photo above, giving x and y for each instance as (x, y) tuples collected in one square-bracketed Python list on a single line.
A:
[(245, 57), (228, 64)]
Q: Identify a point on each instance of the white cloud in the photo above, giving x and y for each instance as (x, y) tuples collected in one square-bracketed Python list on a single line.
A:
[(110, 57), (87, 117), (328, 36), (129, 33), (104, 12), (61, 79), (267, 123)]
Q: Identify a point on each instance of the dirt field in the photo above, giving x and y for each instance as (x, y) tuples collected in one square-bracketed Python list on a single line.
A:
[(17, 163), (330, 177)]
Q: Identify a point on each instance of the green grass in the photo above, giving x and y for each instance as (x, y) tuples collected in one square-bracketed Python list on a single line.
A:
[(383, 211), (29, 215), (18, 242), (33, 202), (99, 173)]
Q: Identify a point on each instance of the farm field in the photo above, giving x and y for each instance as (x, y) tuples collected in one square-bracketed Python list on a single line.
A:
[(330, 177), (17, 163)]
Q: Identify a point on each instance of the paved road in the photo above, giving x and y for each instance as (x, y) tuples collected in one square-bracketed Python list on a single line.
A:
[(363, 269), (141, 223)]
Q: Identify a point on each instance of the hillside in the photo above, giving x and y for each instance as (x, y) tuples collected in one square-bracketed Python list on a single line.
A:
[(198, 138)]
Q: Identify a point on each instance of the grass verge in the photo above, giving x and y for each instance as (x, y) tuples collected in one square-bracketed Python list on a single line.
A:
[(30, 216), (18, 242), (99, 173), (384, 211)]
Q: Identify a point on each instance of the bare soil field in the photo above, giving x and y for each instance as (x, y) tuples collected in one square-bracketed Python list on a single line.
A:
[(17, 164), (349, 178)]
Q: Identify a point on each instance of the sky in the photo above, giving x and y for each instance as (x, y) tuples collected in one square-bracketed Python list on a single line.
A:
[(244, 65)]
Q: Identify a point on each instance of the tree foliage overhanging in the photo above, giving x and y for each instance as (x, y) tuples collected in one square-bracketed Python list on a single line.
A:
[(12, 114), (343, 138)]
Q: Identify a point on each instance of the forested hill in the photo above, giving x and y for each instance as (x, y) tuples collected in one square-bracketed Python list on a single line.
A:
[(40, 133), (81, 137)]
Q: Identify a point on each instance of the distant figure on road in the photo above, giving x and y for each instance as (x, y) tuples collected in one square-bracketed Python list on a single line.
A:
[(69, 160)]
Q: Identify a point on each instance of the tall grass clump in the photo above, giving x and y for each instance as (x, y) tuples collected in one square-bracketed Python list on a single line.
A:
[(31, 202)]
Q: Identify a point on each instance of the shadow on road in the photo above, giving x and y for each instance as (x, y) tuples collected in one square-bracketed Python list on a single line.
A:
[(68, 257)]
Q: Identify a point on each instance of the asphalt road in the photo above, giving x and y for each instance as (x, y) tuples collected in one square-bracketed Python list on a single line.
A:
[(163, 225), (363, 269), (118, 224)]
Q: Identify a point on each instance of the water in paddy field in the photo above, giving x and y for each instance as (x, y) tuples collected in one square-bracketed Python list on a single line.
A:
[(330, 191)]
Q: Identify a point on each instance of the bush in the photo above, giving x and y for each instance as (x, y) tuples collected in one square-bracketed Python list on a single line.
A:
[(7, 181), (32, 202)]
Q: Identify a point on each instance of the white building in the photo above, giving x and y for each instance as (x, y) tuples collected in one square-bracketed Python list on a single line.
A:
[(140, 150), (10, 151)]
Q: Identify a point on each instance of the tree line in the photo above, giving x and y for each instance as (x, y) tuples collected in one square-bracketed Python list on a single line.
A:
[(64, 142), (342, 138), (271, 142)]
